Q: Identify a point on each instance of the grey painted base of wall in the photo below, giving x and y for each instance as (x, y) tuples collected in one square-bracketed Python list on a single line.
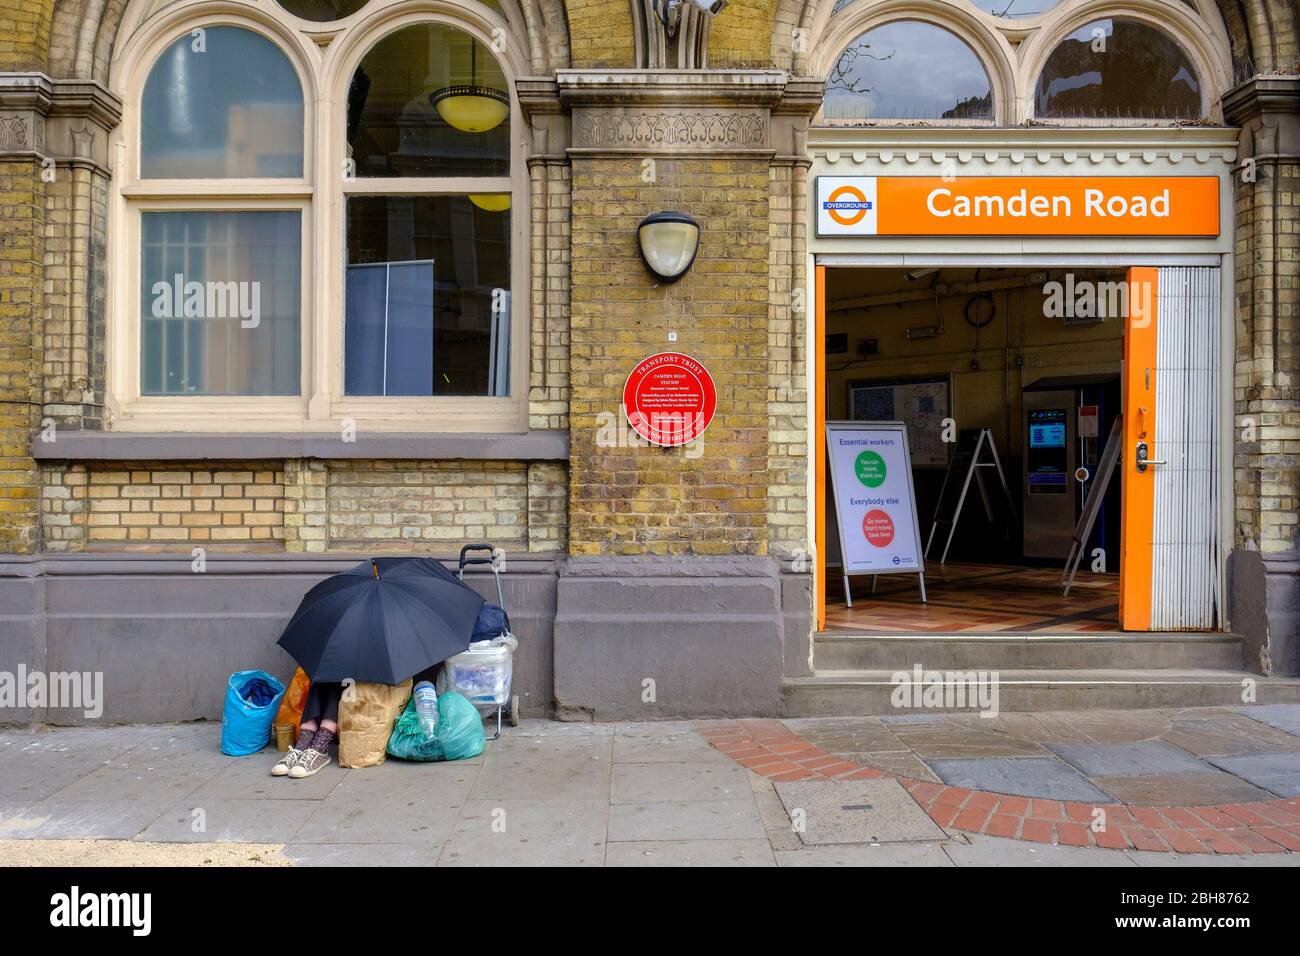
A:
[(166, 639), (653, 638), (710, 633), (1265, 610)]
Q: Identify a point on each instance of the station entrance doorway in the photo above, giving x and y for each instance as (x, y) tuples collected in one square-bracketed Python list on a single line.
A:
[(1054, 414)]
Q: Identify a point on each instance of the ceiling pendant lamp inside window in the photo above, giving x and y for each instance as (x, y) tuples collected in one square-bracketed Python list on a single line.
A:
[(491, 202), (471, 108)]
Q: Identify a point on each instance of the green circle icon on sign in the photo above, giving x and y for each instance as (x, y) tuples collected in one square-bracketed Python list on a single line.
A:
[(870, 469)]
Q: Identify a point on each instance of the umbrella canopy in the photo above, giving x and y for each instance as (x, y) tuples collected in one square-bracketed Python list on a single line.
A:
[(382, 621)]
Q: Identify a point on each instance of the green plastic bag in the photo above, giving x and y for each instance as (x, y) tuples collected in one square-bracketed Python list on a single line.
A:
[(459, 734)]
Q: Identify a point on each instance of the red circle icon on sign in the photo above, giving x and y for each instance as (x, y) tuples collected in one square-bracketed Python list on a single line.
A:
[(878, 528), (669, 399)]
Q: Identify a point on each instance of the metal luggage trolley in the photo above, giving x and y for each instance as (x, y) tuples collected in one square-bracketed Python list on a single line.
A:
[(484, 674)]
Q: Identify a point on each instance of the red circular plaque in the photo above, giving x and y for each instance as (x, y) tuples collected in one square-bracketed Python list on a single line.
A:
[(669, 399)]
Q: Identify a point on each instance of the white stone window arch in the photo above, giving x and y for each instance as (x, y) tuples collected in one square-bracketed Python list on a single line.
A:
[(988, 46), (469, 374), (1014, 48)]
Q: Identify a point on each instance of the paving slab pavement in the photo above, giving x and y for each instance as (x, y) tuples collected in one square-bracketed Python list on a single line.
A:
[(569, 794)]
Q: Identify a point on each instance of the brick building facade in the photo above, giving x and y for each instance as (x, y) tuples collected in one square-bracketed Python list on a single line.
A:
[(686, 568)]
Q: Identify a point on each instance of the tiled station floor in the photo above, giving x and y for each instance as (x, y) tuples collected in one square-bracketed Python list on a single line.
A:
[(976, 599)]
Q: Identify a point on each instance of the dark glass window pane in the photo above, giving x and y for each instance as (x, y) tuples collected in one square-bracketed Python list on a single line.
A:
[(220, 297), (322, 11), (908, 70), (394, 129), (428, 300), (1011, 9), (1118, 69), (222, 104), (1017, 9)]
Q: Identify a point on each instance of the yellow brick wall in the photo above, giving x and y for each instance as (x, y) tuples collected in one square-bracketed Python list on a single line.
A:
[(25, 35), (741, 35), (299, 506), (600, 33), (628, 500), (22, 250), (159, 505), (426, 505)]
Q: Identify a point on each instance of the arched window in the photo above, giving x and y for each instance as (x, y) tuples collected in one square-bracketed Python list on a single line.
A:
[(220, 297), (222, 102), (290, 266), (428, 261), (1117, 69), (908, 70)]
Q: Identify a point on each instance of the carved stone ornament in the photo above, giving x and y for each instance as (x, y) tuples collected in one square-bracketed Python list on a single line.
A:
[(14, 128), (672, 129)]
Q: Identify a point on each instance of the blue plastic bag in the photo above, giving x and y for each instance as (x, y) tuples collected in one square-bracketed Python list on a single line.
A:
[(252, 698), (459, 734)]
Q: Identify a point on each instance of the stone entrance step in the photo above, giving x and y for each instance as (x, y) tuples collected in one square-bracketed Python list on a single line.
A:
[(870, 693), (834, 651)]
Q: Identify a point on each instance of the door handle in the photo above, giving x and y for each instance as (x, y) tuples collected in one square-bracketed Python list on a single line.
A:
[(1143, 460)]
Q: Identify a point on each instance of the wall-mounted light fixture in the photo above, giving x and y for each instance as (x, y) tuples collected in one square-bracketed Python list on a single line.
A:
[(668, 242)]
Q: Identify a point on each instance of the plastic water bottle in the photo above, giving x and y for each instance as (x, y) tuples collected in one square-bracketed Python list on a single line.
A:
[(426, 708)]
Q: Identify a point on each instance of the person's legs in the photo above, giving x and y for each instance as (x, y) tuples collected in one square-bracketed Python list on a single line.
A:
[(323, 727), (313, 711)]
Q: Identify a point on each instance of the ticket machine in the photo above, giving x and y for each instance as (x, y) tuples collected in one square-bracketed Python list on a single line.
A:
[(1065, 426)]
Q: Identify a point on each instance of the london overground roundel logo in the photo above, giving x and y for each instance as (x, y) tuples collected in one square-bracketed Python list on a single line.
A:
[(847, 205)]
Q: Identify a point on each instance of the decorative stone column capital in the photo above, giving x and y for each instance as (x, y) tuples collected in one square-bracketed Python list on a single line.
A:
[(63, 121), (1268, 110)]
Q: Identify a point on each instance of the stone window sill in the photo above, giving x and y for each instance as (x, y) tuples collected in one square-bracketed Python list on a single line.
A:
[(538, 445)]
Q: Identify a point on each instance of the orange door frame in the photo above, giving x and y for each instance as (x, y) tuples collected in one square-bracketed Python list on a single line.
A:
[(819, 445)]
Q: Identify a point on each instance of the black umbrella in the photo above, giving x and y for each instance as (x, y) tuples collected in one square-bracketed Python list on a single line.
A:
[(382, 621)]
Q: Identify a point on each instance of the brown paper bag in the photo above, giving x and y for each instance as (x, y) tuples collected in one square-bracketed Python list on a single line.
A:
[(366, 717)]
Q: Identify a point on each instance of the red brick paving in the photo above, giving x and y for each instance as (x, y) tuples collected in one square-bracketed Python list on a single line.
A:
[(770, 748)]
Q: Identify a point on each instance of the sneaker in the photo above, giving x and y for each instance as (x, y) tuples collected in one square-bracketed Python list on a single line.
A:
[(287, 762), (311, 761)]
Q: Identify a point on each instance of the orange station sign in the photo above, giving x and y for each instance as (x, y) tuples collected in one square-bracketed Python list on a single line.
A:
[(1018, 206)]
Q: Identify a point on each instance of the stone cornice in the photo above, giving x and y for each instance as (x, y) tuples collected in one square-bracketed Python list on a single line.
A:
[(63, 120), (1034, 146), (1262, 94), (685, 112), (694, 88)]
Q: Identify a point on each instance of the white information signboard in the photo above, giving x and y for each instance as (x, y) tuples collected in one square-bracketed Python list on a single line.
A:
[(871, 478)]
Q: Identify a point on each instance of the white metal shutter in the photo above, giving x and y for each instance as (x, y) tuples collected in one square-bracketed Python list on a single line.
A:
[(1185, 579)]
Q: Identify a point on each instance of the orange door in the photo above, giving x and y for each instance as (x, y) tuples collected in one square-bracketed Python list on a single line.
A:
[(1137, 487)]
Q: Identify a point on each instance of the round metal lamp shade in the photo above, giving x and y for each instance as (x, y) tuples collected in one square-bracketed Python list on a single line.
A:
[(491, 202), (471, 109), (668, 243)]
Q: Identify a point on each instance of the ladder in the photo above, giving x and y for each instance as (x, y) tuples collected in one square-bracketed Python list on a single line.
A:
[(968, 456)]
